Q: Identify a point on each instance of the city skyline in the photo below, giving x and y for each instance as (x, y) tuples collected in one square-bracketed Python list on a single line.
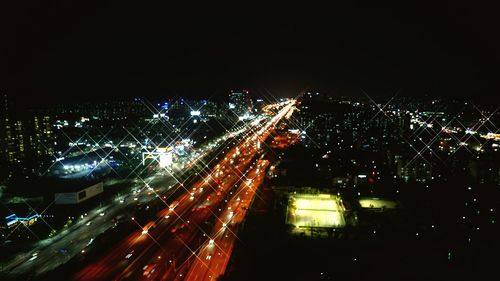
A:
[(232, 142), (176, 189)]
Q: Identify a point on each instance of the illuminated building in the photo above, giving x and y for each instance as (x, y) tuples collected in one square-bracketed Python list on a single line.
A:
[(24, 138), (240, 103), (42, 139), (16, 217), (164, 156), (12, 220), (6, 145), (30, 138)]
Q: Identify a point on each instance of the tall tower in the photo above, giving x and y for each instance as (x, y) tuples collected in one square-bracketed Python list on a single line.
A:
[(240, 103), (5, 129)]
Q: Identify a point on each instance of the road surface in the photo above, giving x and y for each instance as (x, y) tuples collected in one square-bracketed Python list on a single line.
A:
[(211, 260), (159, 252)]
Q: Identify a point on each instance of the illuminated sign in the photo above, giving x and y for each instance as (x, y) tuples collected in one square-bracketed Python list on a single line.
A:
[(195, 113), (12, 219)]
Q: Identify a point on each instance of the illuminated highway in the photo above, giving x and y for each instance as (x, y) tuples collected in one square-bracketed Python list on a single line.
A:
[(48, 254), (176, 221), (159, 248), (211, 260), (52, 252)]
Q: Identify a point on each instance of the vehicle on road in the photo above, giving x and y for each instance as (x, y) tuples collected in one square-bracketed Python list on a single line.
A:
[(129, 254), (173, 205)]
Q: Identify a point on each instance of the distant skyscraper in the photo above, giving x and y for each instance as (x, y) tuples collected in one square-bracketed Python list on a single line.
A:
[(41, 138), (5, 129), (240, 103), (26, 137)]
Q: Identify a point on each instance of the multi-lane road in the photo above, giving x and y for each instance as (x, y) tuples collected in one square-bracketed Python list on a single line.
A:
[(210, 261), (175, 226), (50, 253), (162, 248)]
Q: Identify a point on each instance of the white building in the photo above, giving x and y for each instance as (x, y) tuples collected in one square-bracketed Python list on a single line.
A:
[(77, 195)]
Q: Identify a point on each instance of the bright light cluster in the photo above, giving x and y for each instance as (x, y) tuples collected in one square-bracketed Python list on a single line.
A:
[(321, 210), (376, 203)]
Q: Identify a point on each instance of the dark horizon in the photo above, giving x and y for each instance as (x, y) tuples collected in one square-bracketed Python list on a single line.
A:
[(72, 52)]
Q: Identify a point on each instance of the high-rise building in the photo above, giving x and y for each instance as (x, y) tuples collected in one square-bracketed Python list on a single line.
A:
[(240, 103), (41, 139), (27, 137), (5, 130)]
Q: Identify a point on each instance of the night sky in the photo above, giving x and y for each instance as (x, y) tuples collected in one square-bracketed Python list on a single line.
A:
[(76, 52)]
